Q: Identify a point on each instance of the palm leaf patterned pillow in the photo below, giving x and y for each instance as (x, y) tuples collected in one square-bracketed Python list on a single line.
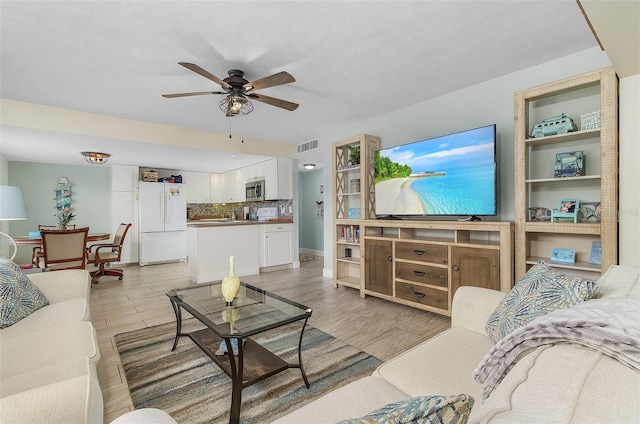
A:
[(19, 297), (453, 409), (541, 290)]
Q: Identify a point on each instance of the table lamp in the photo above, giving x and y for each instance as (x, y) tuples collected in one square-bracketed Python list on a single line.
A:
[(12, 208)]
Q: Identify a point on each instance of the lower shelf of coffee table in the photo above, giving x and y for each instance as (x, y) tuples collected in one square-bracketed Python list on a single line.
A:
[(258, 362)]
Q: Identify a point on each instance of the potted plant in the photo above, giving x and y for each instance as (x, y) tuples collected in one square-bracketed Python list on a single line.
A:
[(64, 217), (354, 154)]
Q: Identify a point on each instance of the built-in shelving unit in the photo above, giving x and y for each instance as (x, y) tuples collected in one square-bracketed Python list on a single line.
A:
[(354, 200), (536, 186)]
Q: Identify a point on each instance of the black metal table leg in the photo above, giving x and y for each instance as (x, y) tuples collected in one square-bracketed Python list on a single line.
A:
[(304, 375), (237, 367), (178, 312)]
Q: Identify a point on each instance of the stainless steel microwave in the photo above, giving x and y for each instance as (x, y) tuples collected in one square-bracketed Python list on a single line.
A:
[(255, 191)]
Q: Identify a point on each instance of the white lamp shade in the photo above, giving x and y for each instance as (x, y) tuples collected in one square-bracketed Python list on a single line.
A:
[(12, 204)]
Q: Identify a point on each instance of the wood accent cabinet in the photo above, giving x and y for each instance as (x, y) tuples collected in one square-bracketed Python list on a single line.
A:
[(422, 263), (379, 267), (353, 201), (539, 185)]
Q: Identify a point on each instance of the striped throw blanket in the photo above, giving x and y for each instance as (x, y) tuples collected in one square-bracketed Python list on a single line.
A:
[(608, 325)]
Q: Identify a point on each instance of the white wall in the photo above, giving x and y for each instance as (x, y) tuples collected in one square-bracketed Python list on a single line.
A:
[(629, 238), (481, 104)]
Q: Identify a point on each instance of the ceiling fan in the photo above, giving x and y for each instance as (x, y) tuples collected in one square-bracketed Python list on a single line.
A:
[(239, 90)]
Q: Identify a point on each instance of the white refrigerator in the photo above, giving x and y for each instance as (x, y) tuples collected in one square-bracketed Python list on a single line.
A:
[(163, 223)]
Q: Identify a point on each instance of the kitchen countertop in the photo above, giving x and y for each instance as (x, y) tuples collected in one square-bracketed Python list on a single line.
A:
[(223, 222)]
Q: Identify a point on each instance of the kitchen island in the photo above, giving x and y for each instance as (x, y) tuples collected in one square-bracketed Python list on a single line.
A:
[(255, 245)]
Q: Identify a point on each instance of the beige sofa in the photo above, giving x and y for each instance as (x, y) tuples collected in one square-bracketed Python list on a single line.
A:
[(48, 359), (565, 383)]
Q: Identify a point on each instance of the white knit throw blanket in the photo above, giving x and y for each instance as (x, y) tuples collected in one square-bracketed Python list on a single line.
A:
[(608, 325)]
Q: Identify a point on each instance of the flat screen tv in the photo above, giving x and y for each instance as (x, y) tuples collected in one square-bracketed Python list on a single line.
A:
[(448, 176)]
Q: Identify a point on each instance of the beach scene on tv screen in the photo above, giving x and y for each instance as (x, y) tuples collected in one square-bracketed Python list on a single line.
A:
[(448, 175)]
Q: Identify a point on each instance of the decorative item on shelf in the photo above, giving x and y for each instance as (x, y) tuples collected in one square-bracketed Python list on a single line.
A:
[(591, 211), (537, 213), (354, 213), (595, 255), (590, 121), (230, 284), (96, 158), (354, 154), (569, 164), (560, 124), (567, 209), (150, 176), (347, 252), (567, 256), (354, 185)]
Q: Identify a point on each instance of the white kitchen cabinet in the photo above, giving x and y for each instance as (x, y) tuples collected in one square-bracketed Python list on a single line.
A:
[(124, 207), (235, 182), (219, 191), (277, 181), (124, 178), (255, 171), (276, 244), (199, 184)]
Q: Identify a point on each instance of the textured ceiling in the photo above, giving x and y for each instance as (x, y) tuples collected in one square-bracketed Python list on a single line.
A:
[(352, 60)]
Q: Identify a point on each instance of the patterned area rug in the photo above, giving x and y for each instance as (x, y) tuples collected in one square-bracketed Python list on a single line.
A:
[(192, 389)]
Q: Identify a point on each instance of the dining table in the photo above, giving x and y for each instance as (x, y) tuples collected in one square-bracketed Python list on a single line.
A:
[(37, 241)]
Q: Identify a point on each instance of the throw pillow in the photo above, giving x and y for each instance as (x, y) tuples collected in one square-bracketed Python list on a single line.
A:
[(421, 410), (19, 297), (541, 290)]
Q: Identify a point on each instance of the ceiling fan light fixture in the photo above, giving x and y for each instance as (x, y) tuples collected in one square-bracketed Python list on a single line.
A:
[(235, 105), (309, 166), (96, 157)]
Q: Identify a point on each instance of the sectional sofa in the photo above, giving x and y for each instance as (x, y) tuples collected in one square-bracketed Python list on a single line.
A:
[(561, 381), (48, 357)]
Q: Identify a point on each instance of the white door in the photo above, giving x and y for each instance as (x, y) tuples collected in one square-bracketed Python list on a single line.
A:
[(175, 201), (152, 213)]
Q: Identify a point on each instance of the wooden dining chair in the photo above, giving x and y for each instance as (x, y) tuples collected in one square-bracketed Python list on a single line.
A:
[(36, 254), (65, 249), (102, 254)]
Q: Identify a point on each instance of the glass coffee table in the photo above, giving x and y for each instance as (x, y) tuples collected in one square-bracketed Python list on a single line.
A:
[(252, 311)]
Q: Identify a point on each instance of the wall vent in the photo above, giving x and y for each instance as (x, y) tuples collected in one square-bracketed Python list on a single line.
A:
[(309, 145)]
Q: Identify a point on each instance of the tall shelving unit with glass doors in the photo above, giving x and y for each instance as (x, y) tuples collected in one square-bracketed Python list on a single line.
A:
[(535, 161), (353, 202)]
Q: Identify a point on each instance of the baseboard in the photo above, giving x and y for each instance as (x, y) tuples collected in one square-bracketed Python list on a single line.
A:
[(304, 251)]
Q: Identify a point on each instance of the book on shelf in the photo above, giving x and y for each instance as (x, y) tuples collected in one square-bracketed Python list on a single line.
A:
[(350, 232)]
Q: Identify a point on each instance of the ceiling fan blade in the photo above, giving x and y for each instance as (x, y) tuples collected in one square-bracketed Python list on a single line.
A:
[(198, 70), (270, 81), (273, 101), (197, 93)]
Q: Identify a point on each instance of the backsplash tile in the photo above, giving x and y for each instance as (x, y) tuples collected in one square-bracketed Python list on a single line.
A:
[(195, 210)]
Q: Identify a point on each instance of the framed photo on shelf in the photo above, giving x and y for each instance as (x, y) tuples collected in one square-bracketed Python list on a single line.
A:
[(595, 255), (565, 256), (569, 164)]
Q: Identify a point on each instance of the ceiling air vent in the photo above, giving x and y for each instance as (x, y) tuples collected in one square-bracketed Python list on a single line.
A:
[(309, 145)]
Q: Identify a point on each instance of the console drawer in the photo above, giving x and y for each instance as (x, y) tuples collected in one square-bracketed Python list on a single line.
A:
[(423, 295), (431, 253), (422, 274)]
